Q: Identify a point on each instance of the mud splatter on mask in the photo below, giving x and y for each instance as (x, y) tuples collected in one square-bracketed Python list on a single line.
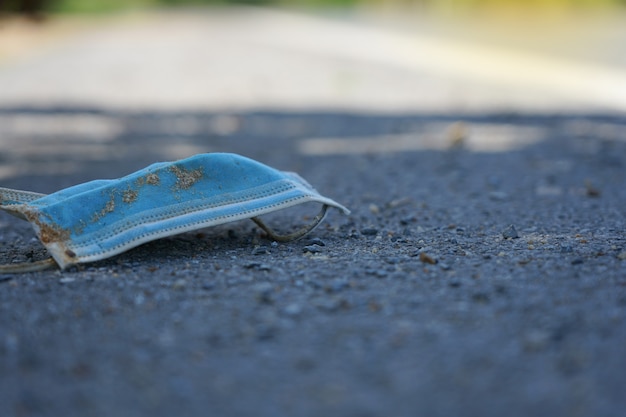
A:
[(102, 218)]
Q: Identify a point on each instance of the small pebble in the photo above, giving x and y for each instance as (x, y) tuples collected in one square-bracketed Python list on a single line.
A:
[(591, 190), (498, 196), (312, 249), (257, 265), (252, 264), (293, 310), (260, 250), (369, 231), (457, 135), (407, 220), (140, 298), (577, 261), (66, 280), (317, 241), (510, 233), (179, 284), (427, 259), (398, 202), (329, 304), (536, 340), (622, 256), (378, 273)]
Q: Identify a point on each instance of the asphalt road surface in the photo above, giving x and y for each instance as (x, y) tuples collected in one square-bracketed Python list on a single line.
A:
[(482, 271)]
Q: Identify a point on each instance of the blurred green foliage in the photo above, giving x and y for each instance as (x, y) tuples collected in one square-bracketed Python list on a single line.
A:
[(101, 6)]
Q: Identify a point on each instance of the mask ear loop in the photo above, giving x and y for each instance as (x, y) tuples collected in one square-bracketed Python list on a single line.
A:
[(9, 198), (27, 266), (298, 234)]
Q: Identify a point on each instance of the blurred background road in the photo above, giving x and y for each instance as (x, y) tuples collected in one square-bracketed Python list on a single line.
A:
[(363, 58), (65, 66)]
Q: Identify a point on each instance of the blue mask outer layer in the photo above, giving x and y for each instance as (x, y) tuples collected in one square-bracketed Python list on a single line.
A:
[(102, 218)]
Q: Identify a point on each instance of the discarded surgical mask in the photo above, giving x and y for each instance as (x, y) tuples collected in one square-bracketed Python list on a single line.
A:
[(102, 218)]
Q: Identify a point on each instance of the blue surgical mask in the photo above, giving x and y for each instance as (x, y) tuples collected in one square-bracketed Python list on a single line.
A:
[(102, 218)]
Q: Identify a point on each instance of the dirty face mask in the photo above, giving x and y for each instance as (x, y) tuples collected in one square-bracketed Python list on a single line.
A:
[(102, 218)]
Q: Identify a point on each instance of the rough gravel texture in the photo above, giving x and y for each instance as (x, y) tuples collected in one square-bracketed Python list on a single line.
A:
[(463, 283)]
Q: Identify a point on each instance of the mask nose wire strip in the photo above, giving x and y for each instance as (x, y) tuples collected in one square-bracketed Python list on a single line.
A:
[(27, 266), (298, 233)]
